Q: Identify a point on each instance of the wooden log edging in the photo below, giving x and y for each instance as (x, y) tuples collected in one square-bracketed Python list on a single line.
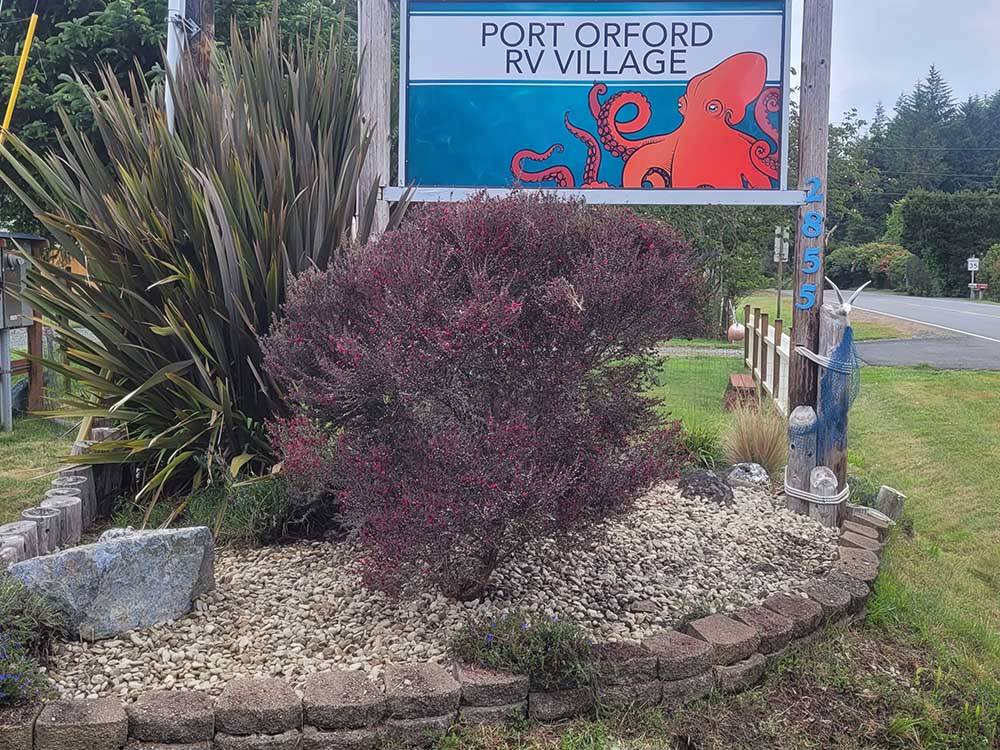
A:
[(415, 704)]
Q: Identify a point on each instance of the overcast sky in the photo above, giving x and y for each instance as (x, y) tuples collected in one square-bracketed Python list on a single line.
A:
[(881, 48)]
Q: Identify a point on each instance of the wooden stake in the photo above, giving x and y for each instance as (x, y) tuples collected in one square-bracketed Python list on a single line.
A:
[(70, 518), (755, 347), (776, 376), (814, 135), (15, 544), (375, 83), (763, 348), (27, 531), (746, 332), (49, 527), (823, 483), (801, 453), (833, 401), (890, 502), (82, 484)]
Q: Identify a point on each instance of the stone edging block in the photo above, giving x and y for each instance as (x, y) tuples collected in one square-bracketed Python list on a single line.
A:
[(679, 656), (731, 640), (342, 700), (289, 740), (489, 687), (258, 706), (804, 613), (82, 725), (414, 691), (171, 716), (775, 630)]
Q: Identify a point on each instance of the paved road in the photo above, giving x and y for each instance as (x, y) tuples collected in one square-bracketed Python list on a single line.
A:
[(969, 332)]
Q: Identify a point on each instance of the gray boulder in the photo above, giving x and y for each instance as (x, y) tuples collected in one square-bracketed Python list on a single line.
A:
[(126, 581), (754, 476)]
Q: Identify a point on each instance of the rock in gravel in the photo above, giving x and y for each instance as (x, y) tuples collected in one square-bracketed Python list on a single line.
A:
[(705, 484), (750, 475), (126, 582)]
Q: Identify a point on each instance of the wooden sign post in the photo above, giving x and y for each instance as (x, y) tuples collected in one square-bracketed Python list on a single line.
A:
[(375, 84), (810, 235)]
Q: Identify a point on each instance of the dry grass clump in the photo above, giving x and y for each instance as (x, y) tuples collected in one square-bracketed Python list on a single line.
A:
[(757, 434)]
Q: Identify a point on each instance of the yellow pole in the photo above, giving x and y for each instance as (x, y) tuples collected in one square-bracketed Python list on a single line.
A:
[(21, 66)]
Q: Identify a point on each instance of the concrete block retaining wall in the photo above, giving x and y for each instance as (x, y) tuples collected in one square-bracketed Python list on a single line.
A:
[(415, 704)]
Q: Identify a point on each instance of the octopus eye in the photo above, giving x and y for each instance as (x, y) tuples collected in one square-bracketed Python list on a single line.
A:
[(714, 106)]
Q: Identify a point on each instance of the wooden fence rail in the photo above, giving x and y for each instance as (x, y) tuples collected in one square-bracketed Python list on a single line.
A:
[(766, 352)]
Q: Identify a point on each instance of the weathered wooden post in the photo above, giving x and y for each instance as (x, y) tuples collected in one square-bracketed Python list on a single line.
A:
[(890, 502), (755, 353), (375, 84), (8, 556), (801, 456), (27, 531), (49, 528), (83, 484), (823, 484), (746, 335), (764, 325), (15, 544), (776, 366), (69, 509)]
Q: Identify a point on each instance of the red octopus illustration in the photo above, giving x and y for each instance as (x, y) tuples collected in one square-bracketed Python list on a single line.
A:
[(705, 151)]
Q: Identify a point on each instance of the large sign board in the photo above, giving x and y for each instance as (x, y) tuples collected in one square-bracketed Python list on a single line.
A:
[(658, 101)]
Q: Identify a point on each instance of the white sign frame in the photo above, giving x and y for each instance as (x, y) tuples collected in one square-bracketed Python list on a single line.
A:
[(783, 196)]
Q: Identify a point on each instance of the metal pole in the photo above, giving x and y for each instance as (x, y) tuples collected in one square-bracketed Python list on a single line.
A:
[(7, 400), (175, 46)]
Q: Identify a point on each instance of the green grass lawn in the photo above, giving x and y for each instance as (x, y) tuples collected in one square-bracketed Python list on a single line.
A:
[(692, 388), (935, 436), (865, 330), (27, 455)]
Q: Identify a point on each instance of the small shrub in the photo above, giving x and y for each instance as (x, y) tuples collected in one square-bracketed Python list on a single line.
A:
[(21, 678), (897, 270), (475, 380), (919, 281), (702, 442), (863, 491), (28, 621), (877, 258), (554, 653), (757, 435), (990, 273), (846, 267)]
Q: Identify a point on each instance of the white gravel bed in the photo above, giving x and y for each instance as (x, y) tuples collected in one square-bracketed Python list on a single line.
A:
[(289, 611)]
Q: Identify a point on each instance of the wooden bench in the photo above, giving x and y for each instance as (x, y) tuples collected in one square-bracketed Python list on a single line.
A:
[(742, 390)]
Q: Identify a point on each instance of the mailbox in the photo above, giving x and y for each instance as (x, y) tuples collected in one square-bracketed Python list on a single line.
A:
[(14, 311)]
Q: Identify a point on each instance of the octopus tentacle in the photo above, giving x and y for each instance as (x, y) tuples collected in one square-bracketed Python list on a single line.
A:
[(767, 104), (612, 131), (592, 167), (560, 174)]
